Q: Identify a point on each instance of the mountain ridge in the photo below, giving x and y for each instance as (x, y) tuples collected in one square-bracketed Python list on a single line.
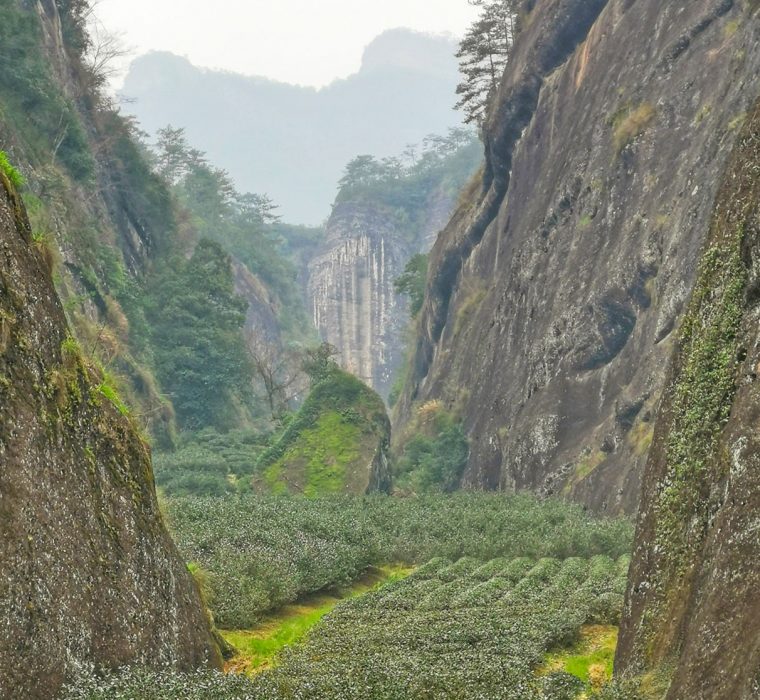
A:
[(292, 142)]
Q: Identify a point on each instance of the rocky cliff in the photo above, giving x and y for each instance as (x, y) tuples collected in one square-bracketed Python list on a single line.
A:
[(377, 224), (350, 289), (555, 293), (89, 574), (106, 220), (693, 601)]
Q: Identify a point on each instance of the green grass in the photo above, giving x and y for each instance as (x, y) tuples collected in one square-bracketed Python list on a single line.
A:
[(324, 452), (258, 648), (591, 659), (106, 388), (10, 172), (584, 468), (327, 447)]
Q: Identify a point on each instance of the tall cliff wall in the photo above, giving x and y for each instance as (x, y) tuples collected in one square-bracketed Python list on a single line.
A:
[(350, 289), (89, 574), (693, 601), (381, 219), (109, 222), (555, 292)]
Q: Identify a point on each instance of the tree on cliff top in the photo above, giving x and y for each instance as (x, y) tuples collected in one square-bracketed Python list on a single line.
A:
[(484, 53)]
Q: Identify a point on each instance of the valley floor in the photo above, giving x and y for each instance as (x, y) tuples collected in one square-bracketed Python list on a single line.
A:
[(258, 648), (496, 598)]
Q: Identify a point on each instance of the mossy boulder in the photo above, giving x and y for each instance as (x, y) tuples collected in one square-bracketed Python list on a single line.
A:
[(337, 444)]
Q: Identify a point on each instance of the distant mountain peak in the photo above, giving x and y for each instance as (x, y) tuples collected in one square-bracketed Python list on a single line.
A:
[(293, 142), (411, 50)]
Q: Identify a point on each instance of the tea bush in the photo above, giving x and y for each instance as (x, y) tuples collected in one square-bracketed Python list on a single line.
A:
[(261, 552), (440, 634)]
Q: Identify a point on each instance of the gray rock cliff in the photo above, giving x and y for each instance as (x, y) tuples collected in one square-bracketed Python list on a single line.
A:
[(555, 292), (351, 295), (89, 574)]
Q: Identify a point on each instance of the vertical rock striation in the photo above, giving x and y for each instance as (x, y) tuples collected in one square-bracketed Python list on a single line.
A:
[(354, 304), (89, 574)]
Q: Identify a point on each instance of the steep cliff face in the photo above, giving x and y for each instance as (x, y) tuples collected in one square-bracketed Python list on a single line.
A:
[(261, 317), (554, 293), (386, 212), (94, 204), (114, 228), (693, 602), (350, 289), (89, 573)]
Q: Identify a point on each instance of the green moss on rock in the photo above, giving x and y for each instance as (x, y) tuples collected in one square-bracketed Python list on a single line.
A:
[(337, 443)]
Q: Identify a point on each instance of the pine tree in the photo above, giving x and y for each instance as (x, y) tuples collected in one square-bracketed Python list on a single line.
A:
[(483, 55)]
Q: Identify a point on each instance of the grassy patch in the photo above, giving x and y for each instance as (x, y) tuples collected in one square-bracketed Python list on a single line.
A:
[(641, 436), (468, 308), (323, 453), (703, 113), (258, 648), (631, 122), (327, 448), (106, 388), (737, 122), (586, 466), (591, 658), (730, 28), (10, 172)]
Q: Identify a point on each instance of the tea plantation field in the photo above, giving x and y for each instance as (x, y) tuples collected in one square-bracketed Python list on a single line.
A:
[(254, 554), (464, 630)]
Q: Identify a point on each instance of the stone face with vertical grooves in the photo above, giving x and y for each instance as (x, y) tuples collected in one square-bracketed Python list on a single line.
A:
[(350, 287), (89, 574)]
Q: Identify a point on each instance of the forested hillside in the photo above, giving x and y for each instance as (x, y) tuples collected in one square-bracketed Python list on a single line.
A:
[(164, 268)]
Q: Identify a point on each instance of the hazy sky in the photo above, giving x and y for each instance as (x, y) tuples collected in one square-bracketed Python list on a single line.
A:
[(306, 42)]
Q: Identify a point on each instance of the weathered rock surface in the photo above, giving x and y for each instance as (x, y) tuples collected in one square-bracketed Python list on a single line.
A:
[(261, 317), (555, 292), (353, 303), (88, 572), (693, 603)]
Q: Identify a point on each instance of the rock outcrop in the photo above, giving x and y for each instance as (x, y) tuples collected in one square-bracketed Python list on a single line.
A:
[(338, 443), (555, 293), (693, 601), (89, 574)]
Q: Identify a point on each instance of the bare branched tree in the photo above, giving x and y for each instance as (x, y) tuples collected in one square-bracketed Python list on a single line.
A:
[(103, 54), (279, 372)]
